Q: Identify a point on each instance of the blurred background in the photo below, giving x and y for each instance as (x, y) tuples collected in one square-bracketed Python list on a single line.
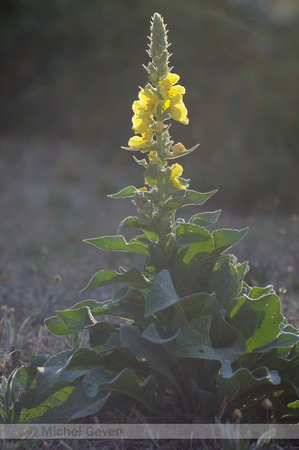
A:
[(70, 70)]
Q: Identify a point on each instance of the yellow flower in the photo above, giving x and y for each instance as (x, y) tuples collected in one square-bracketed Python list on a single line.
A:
[(176, 172), (147, 103), (138, 142), (168, 90), (178, 111), (178, 148), (140, 125)]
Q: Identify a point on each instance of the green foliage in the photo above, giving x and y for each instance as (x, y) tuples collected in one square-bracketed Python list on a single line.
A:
[(192, 341)]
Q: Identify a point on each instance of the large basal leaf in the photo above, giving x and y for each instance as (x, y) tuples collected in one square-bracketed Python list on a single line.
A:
[(196, 305), (194, 341), (161, 295), (158, 357), (77, 319), (118, 243), (131, 303), (61, 403), (151, 334), (258, 319), (244, 385), (133, 277), (126, 382), (65, 366), (68, 321)]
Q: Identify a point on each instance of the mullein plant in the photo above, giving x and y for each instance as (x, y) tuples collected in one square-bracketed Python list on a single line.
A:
[(192, 341)]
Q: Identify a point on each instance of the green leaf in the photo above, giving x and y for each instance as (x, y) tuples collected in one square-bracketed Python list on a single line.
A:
[(153, 173), (225, 281), (245, 386), (226, 337), (198, 277), (199, 242), (77, 319), (132, 277), (190, 198), (149, 228), (198, 304), (161, 253), (161, 295), (126, 382), (258, 320), (126, 192), (152, 335), (205, 218), (65, 366), (194, 340), (225, 238), (158, 356), (56, 326), (67, 402), (99, 333), (118, 243)]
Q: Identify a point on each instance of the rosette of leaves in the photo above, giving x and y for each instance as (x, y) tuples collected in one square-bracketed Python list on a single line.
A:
[(185, 339)]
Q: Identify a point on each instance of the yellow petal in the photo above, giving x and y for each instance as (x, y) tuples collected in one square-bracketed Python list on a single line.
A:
[(140, 124), (176, 171), (179, 112), (140, 141), (171, 79)]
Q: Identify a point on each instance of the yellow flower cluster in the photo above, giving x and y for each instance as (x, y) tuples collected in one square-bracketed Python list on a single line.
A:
[(154, 104)]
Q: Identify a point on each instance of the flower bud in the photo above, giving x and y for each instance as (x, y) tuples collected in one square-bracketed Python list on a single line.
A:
[(178, 148), (159, 127)]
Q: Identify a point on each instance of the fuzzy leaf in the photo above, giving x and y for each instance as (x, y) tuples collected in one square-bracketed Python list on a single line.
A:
[(198, 304), (205, 218), (125, 382), (190, 198), (65, 366), (61, 401), (161, 295), (126, 192), (194, 341), (152, 335), (158, 357), (132, 277), (258, 319), (225, 238), (76, 319), (244, 385), (118, 243), (149, 228)]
